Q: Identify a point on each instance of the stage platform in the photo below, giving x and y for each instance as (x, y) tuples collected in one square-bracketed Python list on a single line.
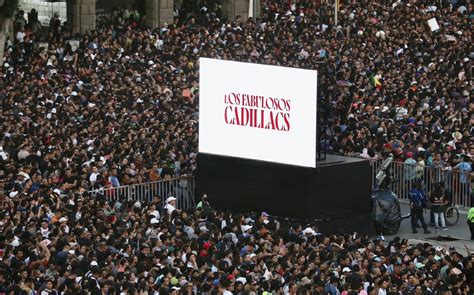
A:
[(336, 194)]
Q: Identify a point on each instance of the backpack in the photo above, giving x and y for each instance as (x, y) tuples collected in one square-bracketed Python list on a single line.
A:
[(417, 200)]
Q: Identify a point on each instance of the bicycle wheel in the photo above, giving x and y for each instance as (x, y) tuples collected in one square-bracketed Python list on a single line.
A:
[(452, 216)]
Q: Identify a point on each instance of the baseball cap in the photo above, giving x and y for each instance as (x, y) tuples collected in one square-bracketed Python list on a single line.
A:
[(246, 227), (170, 199)]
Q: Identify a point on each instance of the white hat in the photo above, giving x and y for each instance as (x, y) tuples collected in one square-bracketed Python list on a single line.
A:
[(62, 219), (154, 220), (385, 109), (74, 93), (309, 230), (26, 176), (74, 253), (94, 263), (183, 282), (242, 280), (170, 199), (57, 191), (246, 227), (346, 269), (457, 135), (54, 111), (13, 194)]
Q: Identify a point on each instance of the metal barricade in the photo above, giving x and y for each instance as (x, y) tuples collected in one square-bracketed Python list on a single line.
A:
[(458, 184), (183, 189)]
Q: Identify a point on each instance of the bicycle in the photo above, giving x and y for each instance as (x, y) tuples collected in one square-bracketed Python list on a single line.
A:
[(451, 216)]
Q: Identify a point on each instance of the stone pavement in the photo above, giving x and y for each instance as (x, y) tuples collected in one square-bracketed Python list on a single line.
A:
[(456, 236)]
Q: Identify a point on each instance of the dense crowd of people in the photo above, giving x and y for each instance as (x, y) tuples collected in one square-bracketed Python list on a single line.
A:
[(78, 245), (119, 105)]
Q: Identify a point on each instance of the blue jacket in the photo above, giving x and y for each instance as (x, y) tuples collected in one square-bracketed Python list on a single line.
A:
[(417, 199), (331, 289)]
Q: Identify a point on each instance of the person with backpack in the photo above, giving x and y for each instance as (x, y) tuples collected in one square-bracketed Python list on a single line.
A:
[(417, 204)]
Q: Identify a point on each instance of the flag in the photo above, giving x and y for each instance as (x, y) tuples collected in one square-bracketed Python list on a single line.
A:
[(375, 82)]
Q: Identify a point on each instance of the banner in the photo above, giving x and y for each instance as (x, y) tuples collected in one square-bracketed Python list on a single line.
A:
[(258, 112)]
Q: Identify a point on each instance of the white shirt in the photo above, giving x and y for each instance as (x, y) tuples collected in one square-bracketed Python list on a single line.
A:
[(93, 177), (170, 208), (66, 229), (20, 36), (156, 214), (45, 232)]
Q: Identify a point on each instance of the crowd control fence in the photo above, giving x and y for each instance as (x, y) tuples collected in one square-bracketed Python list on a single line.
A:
[(183, 189), (458, 184)]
